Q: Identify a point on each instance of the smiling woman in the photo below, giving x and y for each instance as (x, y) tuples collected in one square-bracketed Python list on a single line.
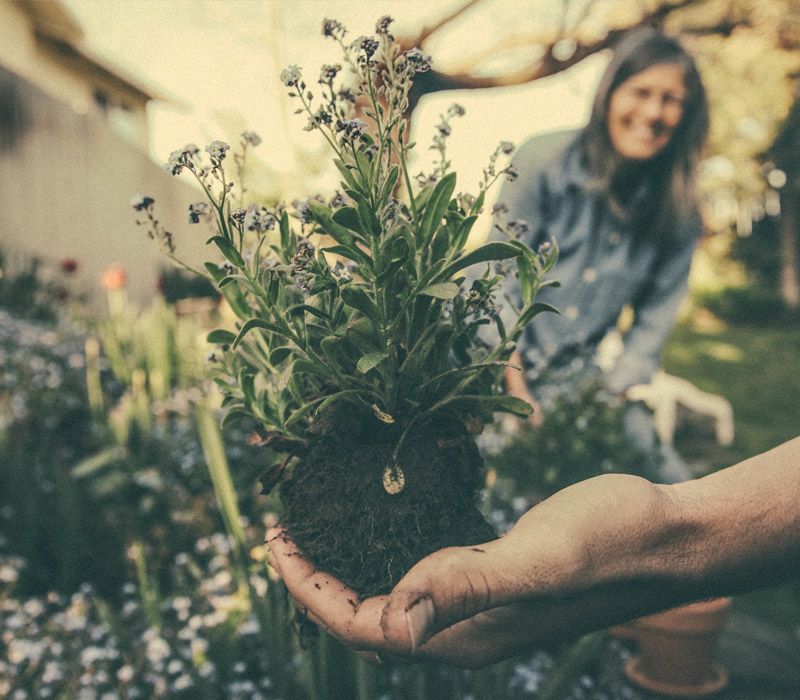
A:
[(645, 111), (618, 197)]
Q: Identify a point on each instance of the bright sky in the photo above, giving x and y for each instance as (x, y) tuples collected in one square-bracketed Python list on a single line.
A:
[(220, 60)]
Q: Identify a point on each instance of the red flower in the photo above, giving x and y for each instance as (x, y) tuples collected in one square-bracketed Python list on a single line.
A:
[(69, 265), (113, 277)]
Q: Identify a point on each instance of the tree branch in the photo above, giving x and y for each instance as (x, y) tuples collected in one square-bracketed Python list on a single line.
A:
[(547, 64), (428, 31)]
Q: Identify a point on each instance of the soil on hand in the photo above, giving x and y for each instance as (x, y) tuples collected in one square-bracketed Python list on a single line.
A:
[(341, 517)]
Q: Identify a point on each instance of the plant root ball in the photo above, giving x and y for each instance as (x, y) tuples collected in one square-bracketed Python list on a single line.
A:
[(342, 519)]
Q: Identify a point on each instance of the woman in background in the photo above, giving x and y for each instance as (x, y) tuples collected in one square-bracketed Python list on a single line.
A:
[(618, 198)]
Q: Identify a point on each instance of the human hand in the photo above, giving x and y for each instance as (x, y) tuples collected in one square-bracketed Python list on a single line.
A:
[(472, 606), (517, 386), (478, 640)]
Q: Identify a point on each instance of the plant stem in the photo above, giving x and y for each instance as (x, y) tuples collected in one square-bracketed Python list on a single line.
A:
[(569, 666)]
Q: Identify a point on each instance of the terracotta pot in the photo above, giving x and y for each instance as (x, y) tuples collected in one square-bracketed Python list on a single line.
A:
[(676, 650)]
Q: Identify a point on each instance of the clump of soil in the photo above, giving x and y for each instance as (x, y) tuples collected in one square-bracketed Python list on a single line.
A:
[(341, 517)]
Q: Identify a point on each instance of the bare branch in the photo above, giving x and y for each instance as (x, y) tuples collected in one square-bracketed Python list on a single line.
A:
[(428, 31), (547, 64), (472, 63)]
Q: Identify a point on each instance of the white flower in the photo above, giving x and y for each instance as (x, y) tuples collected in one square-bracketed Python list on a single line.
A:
[(217, 149), (8, 574), (157, 650), (125, 673), (291, 76), (52, 673), (182, 682)]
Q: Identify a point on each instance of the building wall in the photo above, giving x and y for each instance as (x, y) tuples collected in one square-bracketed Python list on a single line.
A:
[(70, 81), (66, 182)]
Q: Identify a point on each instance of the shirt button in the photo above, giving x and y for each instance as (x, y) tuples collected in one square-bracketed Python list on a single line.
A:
[(571, 313), (589, 275)]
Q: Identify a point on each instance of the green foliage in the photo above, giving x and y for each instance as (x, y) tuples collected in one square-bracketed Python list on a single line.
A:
[(364, 299), (176, 284), (752, 304), (582, 435), (31, 287)]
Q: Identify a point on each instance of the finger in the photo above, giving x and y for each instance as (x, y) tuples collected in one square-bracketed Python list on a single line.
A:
[(324, 598), (282, 551), (444, 588)]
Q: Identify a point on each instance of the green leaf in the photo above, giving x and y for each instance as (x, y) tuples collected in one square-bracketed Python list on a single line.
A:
[(478, 205), (278, 355), (368, 362), (346, 173), (313, 310), (463, 231), (227, 280), (497, 250), (362, 334), (313, 367), (423, 197), (529, 313), (369, 221), (525, 274), (500, 404), (459, 372), (440, 246), (351, 252), (220, 337), (233, 295), (233, 414), (435, 208), (441, 290), (348, 217), (357, 298), (300, 412), (322, 215), (284, 377), (228, 250), (335, 350), (286, 232), (257, 323), (248, 384), (389, 183), (98, 461), (338, 396)]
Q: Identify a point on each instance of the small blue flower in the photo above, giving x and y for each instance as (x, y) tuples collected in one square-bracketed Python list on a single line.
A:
[(217, 150), (291, 76), (141, 202)]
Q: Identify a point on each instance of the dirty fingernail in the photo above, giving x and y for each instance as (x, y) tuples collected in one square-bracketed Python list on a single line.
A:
[(419, 618)]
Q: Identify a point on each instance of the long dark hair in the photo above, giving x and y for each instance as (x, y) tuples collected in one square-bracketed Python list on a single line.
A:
[(668, 178)]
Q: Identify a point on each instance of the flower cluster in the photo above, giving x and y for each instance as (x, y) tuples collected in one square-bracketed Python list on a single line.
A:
[(303, 264), (217, 150), (198, 211), (443, 130), (257, 219), (155, 229), (491, 172), (480, 299), (333, 28), (185, 157)]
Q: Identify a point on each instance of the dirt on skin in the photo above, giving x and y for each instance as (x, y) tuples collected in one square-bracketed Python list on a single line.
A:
[(341, 517)]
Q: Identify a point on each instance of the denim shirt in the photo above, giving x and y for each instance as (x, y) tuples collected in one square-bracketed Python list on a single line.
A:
[(599, 266)]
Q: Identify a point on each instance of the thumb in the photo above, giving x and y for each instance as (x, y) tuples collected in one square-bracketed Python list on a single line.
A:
[(444, 588)]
